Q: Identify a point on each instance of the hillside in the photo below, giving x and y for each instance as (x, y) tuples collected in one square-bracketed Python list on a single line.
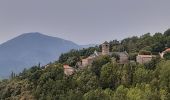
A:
[(30, 49), (104, 79)]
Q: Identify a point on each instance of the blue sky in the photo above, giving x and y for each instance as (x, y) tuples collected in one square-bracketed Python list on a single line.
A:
[(83, 21)]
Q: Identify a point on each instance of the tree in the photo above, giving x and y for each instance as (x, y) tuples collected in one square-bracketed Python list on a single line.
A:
[(158, 47), (98, 94), (98, 63), (116, 56), (164, 75), (167, 56), (142, 92), (132, 56), (127, 74), (85, 81), (142, 75), (72, 61), (120, 93), (167, 32), (109, 76), (13, 75)]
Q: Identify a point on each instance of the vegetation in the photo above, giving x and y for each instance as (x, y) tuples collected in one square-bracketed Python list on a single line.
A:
[(72, 57), (103, 80), (167, 55)]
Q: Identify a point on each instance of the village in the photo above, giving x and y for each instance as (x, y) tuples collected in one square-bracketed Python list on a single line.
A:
[(123, 58)]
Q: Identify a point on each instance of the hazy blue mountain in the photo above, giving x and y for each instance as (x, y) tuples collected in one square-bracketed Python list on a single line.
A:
[(88, 45), (30, 49)]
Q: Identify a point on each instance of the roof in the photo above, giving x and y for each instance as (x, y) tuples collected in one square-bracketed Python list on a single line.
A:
[(68, 70), (168, 49), (67, 67), (89, 58), (146, 56), (121, 53)]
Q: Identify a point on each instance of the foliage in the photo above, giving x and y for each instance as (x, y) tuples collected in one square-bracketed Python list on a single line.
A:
[(103, 80), (144, 52), (167, 32), (98, 94), (125, 82), (167, 55), (108, 76), (116, 56), (164, 75), (97, 64), (71, 58)]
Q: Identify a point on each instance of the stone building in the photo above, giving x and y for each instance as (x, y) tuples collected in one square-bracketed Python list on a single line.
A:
[(68, 70), (89, 60), (105, 48), (144, 58), (123, 56)]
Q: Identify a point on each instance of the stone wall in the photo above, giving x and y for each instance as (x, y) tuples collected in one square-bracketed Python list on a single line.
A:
[(143, 58)]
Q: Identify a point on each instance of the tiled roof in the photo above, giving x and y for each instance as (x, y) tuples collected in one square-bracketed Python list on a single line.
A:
[(68, 70), (147, 56), (121, 53), (67, 67), (168, 49)]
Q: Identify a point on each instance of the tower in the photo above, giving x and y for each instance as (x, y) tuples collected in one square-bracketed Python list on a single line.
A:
[(105, 48)]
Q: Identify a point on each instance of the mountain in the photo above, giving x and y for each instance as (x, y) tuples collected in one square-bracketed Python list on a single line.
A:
[(30, 49), (89, 45)]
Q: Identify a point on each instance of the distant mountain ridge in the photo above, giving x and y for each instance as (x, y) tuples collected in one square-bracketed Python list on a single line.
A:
[(89, 45), (30, 49)]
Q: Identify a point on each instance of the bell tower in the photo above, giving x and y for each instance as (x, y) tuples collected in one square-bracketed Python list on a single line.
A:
[(105, 48)]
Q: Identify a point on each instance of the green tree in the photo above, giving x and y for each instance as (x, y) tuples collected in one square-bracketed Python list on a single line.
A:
[(109, 77), (167, 32), (167, 56), (142, 75), (86, 81), (121, 93), (98, 63), (164, 75), (98, 94)]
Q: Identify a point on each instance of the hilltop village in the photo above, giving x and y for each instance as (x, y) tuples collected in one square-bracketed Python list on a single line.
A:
[(123, 58), (135, 68)]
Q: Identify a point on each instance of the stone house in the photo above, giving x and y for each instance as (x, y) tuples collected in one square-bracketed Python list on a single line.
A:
[(89, 60), (123, 56), (144, 58), (68, 70)]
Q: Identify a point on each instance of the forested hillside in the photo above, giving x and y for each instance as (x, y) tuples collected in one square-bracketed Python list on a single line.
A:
[(105, 79)]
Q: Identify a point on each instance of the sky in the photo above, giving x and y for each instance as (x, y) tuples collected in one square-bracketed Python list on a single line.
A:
[(83, 21)]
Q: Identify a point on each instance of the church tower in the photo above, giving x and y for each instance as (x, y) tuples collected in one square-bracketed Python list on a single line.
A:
[(105, 48)]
